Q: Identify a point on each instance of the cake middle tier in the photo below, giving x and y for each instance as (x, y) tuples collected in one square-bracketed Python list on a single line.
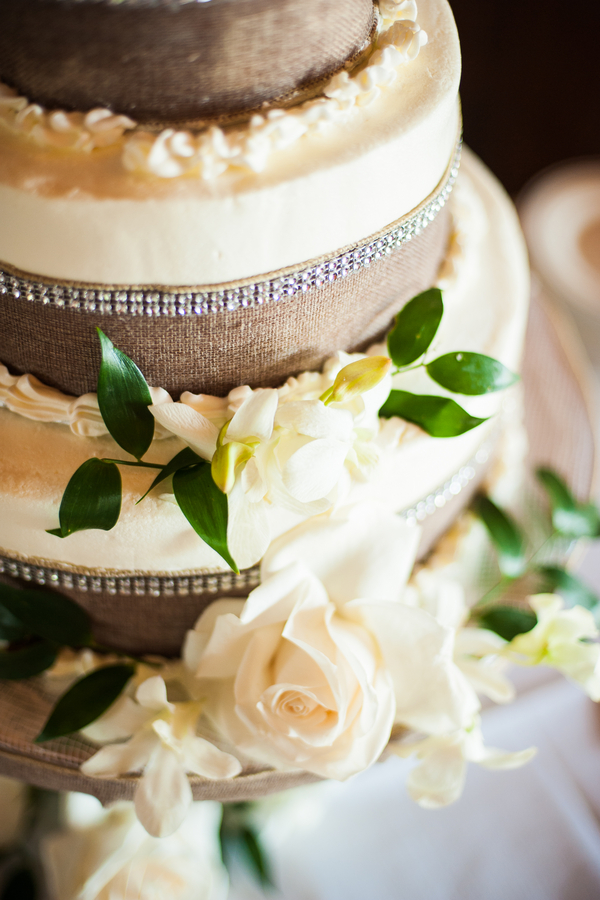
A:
[(212, 340)]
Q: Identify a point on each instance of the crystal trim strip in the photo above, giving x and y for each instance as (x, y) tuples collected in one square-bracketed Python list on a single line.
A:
[(169, 586), (136, 301)]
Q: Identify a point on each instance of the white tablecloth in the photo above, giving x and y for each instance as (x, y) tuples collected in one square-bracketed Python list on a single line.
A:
[(529, 834)]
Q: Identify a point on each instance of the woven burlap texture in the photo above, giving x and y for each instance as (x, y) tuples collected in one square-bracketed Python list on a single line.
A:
[(561, 434), (176, 61), (213, 353)]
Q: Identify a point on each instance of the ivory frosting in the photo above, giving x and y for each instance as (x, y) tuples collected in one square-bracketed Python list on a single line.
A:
[(173, 153), (340, 168), (486, 306)]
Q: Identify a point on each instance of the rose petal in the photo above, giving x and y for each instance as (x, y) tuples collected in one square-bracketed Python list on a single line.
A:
[(163, 795), (432, 694), (254, 418), (363, 551), (191, 426), (314, 470)]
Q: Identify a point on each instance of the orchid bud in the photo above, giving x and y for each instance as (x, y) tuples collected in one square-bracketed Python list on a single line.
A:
[(225, 461), (357, 378)]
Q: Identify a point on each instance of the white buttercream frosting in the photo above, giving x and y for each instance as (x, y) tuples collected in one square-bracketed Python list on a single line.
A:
[(173, 153), (56, 128), (486, 306)]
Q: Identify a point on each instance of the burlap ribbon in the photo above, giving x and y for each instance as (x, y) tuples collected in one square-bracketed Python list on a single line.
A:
[(172, 61), (295, 320)]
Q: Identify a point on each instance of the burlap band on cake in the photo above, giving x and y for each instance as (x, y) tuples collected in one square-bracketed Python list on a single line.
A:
[(172, 60), (212, 339), (149, 613)]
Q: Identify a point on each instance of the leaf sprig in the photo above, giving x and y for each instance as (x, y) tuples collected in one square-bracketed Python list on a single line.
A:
[(460, 372), (570, 519), (37, 624), (93, 496)]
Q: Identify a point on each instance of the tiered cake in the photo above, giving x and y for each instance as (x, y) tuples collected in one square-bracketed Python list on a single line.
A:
[(241, 198)]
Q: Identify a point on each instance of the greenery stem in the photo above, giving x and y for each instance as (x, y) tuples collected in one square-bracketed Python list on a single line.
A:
[(100, 648), (404, 369), (129, 462)]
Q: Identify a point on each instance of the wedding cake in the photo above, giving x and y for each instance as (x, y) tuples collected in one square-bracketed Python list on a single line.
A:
[(259, 324)]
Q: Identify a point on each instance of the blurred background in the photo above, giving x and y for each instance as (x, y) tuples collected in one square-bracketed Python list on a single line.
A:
[(531, 83)]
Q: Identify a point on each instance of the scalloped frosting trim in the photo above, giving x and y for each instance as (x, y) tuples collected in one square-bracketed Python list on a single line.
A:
[(29, 397), (209, 153)]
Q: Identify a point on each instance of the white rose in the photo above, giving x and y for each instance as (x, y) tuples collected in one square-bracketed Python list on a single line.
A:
[(111, 857), (313, 670)]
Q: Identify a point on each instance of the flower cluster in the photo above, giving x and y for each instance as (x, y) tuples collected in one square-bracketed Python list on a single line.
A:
[(298, 448)]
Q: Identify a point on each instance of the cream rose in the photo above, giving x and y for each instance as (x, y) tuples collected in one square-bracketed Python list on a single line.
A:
[(312, 671)]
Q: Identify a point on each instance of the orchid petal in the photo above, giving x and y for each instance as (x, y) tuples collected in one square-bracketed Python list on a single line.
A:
[(121, 720), (163, 795), (439, 779), (196, 430), (314, 470), (118, 759), (152, 693), (314, 419), (248, 528), (505, 759), (254, 418), (203, 758)]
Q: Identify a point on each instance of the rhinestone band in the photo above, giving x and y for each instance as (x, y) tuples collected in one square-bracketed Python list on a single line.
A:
[(151, 302), (217, 582), (155, 586)]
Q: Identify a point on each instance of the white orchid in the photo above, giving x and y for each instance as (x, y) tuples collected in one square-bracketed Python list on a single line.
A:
[(440, 777), (312, 671), (163, 744), (561, 639), (105, 854), (477, 651), (287, 448)]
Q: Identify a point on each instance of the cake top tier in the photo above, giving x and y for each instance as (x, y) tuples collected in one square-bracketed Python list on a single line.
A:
[(178, 60)]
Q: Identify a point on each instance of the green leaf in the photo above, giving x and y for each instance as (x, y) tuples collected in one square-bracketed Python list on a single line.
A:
[(205, 507), (572, 589), (505, 536), (438, 416), (508, 621), (182, 460), (48, 615), (92, 499), (470, 373), (11, 629), (20, 885), (239, 842), (415, 327), (124, 398), (27, 661), (86, 701), (569, 517)]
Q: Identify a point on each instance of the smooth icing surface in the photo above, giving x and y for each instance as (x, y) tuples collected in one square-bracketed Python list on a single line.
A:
[(486, 295), (83, 217)]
